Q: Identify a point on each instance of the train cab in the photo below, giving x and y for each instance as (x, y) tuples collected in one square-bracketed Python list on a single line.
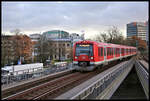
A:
[(83, 53)]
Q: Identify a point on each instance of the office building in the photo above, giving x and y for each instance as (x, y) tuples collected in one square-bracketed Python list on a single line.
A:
[(138, 29)]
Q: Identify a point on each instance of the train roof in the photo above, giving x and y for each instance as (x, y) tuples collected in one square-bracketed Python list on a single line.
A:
[(105, 44)]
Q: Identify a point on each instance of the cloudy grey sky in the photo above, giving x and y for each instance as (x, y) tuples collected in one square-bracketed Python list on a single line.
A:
[(92, 17)]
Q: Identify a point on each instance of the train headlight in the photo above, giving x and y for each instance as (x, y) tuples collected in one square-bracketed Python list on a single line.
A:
[(76, 57), (91, 57)]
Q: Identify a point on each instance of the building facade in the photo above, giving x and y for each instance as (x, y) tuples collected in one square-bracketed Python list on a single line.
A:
[(138, 29), (60, 44), (56, 34), (35, 38), (62, 49), (56, 44), (147, 33)]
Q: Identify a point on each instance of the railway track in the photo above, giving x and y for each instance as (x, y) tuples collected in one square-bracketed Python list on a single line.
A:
[(27, 85), (52, 89), (145, 58), (141, 57)]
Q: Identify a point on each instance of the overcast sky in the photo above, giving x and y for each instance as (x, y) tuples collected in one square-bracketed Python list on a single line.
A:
[(73, 17)]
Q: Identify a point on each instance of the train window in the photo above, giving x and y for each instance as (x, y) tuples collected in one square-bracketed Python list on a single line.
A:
[(114, 51), (117, 51), (98, 51), (110, 51), (130, 51), (122, 51), (86, 49), (107, 51), (101, 51)]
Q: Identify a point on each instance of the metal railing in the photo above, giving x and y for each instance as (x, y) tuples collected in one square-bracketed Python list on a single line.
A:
[(143, 76), (100, 85)]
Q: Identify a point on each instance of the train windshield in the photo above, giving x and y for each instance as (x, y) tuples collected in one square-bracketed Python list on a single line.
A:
[(84, 49)]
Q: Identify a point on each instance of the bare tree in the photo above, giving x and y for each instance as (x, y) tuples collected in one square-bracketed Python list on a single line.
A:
[(16, 31), (112, 35), (46, 49)]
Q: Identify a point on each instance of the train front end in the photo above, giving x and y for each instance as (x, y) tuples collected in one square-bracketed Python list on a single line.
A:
[(83, 57)]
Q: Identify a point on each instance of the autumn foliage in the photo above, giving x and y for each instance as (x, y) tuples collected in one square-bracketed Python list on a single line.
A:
[(23, 47), (140, 43)]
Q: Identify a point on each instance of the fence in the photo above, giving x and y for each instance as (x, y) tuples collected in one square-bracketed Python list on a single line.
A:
[(30, 74)]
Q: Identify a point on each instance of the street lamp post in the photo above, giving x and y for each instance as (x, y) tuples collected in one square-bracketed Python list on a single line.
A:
[(13, 67)]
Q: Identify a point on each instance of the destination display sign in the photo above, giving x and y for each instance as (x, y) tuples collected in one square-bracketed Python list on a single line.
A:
[(84, 45)]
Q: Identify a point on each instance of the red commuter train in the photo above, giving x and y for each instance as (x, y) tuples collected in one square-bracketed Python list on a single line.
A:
[(87, 55)]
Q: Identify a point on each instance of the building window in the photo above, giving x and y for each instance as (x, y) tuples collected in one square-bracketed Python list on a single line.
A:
[(67, 56)]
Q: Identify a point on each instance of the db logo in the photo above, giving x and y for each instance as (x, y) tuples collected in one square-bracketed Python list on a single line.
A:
[(83, 57)]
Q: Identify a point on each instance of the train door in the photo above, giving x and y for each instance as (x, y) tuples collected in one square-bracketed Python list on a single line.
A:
[(104, 53)]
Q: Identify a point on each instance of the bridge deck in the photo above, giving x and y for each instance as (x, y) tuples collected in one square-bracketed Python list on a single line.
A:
[(143, 75), (71, 93), (145, 64)]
